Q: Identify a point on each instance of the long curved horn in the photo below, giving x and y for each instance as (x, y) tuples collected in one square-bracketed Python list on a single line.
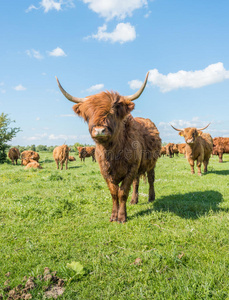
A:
[(138, 93), (68, 96), (204, 127), (176, 128)]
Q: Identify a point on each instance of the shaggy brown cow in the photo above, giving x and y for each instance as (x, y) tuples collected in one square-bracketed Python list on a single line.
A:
[(163, 151), (28, 156), (71, 158), (198, 146), (34, 165), (86, 152), (60, 154), (182, 148), (220, 146), (14, 154), (126, 147)]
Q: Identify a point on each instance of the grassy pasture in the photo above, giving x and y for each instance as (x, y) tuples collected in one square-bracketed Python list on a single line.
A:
[(49, 218)]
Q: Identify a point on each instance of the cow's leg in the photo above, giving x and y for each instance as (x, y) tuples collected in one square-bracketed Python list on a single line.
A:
[(16, 161), (61, 165), (124, 192), (191, 162), (66, 164), (205, 162), (134, 199), (151, 178), (198, 163), (220, 157), (114, 194), (57, 163), (12, 161)]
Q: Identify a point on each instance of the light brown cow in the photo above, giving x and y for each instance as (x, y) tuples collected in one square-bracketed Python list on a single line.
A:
[(220, 146), (169, 149), (28, 156), (34, 165), (126, 147), (175, 149), (61, 154), (86, 152), (198, 146), (14, 154), (71, 158)]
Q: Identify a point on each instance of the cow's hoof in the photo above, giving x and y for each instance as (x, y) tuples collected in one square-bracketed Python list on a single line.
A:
[(122, 219), (113, 219), (151, 198), (199, 174)]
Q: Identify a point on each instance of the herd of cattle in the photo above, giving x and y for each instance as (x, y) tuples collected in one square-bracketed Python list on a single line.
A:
[(127, 147), (61, 156)]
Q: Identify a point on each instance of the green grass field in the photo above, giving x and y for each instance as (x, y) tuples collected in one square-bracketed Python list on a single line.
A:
[(50, 218)]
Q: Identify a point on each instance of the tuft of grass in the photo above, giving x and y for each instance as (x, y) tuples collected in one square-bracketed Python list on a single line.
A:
[(56, 219)]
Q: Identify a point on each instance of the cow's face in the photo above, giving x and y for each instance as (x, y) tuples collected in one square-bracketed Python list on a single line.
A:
[(190, 135), (104, 113)]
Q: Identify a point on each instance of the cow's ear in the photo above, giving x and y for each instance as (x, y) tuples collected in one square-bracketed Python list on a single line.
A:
[(199, 132), (181, 133), (123, 107)]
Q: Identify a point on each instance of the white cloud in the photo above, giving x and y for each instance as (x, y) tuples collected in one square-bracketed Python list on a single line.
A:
[(95, 88), (44, 74), (135, 84), (3, 91), (110, 9), (48, 5), (1, 83), (19, 88), (123, 32), (38, 118), (57, 52), (189, 79), (34, 53), (36, 137), (62, 137)]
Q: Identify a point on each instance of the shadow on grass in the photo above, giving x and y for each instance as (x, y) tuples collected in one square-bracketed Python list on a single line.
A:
[(218, 172), (188, 206), (75, 167)]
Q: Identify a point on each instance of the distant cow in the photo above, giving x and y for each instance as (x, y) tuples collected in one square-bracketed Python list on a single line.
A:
[(61, 154), (163, 151), (220, 146), (198, 146), (86, 152), (71, 158), (14, 154), (34, 165), (169, 149), (175, 149), (126, 147), (28, 156), (182, 148)]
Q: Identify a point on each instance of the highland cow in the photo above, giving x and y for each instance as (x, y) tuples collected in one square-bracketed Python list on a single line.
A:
[(163, 151), (60, 155), (199, 146), (28, 156), (86, 152), (33, 165), (220, 146), (181, 148), (71, 158), (126, 147), (14, 154)]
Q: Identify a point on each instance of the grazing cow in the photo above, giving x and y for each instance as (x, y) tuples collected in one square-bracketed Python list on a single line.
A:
[(220, 146), (14, 154), (86, 152), (182, 148), (28, 155), (61, 154), (34, 165), (199, 146), (126, 147), (163, 151), (169, 150), (71, 158)]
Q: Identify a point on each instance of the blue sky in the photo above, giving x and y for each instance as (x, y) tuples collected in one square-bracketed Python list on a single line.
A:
[(94, 45)]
